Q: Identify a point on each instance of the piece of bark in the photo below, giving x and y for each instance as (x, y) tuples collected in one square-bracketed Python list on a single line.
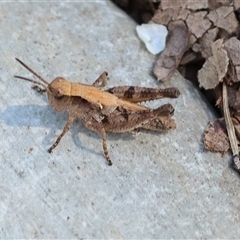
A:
[(224, 17), (215, 137), (169, 59), (215, 68), (198, 24)]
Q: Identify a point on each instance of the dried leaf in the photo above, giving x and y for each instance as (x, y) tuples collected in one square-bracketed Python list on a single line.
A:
[(183, 14), (236, 4), (198, 24), (233, 47), (234, 97), (215, 137), (215, 68), (163, 17), (206, 41), (224, 17), (173, 4), (169, 59), (213, 4), (236, 122), (196, 4)]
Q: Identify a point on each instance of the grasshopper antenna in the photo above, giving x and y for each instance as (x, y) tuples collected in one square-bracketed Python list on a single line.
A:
[(34, 73), (30, 80)]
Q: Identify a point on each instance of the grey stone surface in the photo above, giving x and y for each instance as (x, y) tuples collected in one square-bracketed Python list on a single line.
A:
[(160, 185)]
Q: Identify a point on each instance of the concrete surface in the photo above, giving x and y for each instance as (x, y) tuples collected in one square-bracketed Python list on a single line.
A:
[(160, 185)]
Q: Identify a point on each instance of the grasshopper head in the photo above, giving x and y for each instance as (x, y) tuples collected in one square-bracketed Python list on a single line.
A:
[(59, 93), (58, 90)]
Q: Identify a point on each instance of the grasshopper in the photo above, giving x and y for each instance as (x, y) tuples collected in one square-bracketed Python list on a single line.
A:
[(112, 110)]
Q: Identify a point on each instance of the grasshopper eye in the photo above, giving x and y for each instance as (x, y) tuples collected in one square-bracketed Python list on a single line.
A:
[(58, 95)]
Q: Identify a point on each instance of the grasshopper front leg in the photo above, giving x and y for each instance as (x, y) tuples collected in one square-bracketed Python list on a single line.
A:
[(39, 89)]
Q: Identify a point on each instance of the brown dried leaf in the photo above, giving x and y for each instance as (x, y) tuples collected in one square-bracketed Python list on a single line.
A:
[(224, 17), (196, 4), (213, 4), (237, 130), (220, 57), (233, 47), (169, 59), (169, 14), (215, 68), (215, 137), (198, 24), (206, 42), (237, 68), (236, 122), (163, 17), (236, 4), (187, 4), (192, 40), (173, 4), (234, 97), (183, 14)]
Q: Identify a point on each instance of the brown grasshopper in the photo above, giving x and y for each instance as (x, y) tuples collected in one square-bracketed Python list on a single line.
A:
[(112, 110)]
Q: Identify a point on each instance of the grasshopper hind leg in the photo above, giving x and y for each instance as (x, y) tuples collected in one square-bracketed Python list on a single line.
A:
[(105, 150), (160, 124)]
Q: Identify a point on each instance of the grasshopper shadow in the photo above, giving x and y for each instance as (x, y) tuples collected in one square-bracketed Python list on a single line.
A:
[(32, 116)]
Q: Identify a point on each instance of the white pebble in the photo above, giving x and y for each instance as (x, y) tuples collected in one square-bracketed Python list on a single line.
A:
[(153, 35)]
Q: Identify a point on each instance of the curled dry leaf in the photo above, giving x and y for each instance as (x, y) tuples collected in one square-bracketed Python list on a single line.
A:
[(168, 61), (215, 137), (215, 68)]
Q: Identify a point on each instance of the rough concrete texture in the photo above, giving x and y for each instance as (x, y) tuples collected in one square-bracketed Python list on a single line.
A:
[(160, 185)]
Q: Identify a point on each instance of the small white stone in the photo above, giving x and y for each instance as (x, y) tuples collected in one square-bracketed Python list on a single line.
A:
[(153, 35)]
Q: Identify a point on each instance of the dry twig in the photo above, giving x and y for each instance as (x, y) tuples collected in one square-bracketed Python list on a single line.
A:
[(230, 128)]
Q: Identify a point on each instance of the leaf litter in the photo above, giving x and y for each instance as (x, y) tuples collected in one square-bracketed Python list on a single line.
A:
[(204, 33)]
